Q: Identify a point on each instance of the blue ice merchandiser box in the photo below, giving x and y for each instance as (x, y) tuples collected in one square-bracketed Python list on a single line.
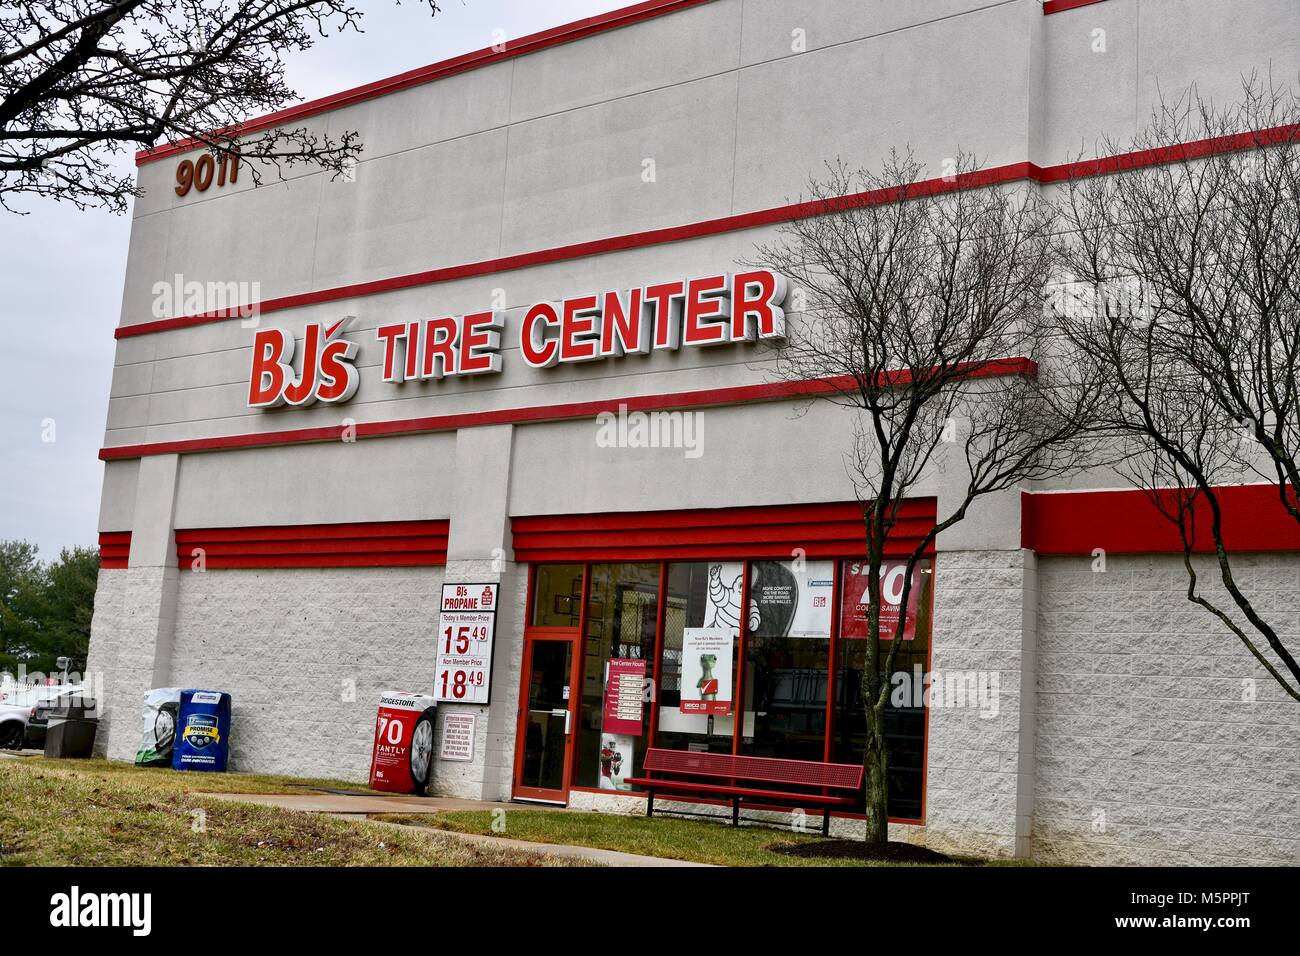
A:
[(202, 731)]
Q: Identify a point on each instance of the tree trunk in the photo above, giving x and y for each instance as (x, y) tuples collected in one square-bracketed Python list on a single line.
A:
[(876, 764)]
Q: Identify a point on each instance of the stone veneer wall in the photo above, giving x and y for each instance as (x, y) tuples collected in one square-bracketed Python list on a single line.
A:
[(305, 655), (980, 756), (1149, 748), (121, 656)]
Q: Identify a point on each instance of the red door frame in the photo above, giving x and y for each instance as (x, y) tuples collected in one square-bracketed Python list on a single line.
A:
[(533, 636)]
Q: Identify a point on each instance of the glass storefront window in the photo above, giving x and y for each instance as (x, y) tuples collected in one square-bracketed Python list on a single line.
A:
[(557, 595), (782, 699), (904, 725), (787, 658), (622, 617), (699, 595)]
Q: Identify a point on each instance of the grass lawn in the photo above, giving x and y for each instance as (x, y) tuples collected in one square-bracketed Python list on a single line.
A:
[(97, 813), (678, 839)]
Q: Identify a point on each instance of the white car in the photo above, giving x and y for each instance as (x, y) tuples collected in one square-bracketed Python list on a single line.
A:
[(21, 725)]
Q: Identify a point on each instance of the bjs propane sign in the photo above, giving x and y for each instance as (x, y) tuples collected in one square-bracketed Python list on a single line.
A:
[(463, 668), (721, 309)]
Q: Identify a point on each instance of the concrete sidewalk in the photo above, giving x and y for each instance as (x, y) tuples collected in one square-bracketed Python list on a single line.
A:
[(316, 801), (359, 807)]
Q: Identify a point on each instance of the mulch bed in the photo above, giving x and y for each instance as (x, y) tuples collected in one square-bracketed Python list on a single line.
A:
[(858, 850)]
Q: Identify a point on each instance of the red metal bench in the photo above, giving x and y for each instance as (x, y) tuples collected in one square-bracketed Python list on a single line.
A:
[(740, 778)]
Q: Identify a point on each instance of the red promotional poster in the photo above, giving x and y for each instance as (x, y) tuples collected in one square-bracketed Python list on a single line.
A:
[(853, 612), (403, 751), (624, 694)]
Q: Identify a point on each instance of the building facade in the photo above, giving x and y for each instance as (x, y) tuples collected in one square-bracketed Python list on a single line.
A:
[(518, 346)]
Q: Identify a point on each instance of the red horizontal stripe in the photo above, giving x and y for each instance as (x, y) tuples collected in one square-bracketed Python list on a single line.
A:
[(315, 546), (583, 250), (532, 43), (703, 552), (354, 544), (736, 395), (373, 529), (412, 559), (465, 62), (114, 550), (1060, 6), (1128, 522), (697, 534), (1014, 172), (792, 536), (920, 509), (1182, 152)]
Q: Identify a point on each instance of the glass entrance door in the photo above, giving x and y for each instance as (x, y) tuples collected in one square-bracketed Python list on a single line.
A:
[(547, 723)]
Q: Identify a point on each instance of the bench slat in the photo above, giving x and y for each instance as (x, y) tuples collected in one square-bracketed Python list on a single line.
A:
[(669, 787), (760, 769)]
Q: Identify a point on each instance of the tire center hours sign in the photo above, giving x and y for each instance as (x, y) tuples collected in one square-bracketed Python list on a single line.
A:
[(466, 625)]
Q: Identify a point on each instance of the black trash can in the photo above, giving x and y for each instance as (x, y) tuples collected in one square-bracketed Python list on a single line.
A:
[(69, 731)]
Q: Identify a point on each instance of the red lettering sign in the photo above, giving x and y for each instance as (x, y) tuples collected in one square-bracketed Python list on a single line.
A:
[(711, 310), (328, 372)]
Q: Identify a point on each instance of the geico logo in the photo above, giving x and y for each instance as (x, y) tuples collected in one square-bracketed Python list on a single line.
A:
[(327, 374), (711, 310)]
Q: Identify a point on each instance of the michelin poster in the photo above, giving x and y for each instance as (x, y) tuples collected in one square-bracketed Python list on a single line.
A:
[(786, 600)]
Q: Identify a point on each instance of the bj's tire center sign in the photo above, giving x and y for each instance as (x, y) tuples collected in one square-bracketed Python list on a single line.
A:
[(466, 626)]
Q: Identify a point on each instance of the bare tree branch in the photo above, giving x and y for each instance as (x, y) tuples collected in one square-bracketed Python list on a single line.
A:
[(83, 80), (914, 300), (1203, 357)]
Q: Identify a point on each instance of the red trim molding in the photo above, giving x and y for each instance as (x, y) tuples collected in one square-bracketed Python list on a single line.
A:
[(820, 530), (532, 43), (566, 33), (1060, 6), (114, 550), (384, 544), (998, 175), (735, 395), (583, 250), (1128, 522)]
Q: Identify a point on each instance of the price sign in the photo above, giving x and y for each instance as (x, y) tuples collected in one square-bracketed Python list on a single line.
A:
[(463, 674)]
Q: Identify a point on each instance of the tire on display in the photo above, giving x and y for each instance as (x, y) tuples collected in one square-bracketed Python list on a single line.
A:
[(164, 727), (11, 736), (421, 752)]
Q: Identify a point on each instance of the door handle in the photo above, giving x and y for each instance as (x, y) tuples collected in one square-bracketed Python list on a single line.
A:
[(568, 714)]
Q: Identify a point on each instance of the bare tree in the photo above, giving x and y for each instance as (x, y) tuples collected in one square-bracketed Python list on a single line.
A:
[(1184, 292), (915, 300), (84, 79)]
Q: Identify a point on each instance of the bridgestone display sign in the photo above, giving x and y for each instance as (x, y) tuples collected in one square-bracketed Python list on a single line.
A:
[(403, 748), (463, 673)]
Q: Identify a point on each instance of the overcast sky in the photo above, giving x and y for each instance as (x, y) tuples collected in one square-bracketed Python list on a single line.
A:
[(61, 274)]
